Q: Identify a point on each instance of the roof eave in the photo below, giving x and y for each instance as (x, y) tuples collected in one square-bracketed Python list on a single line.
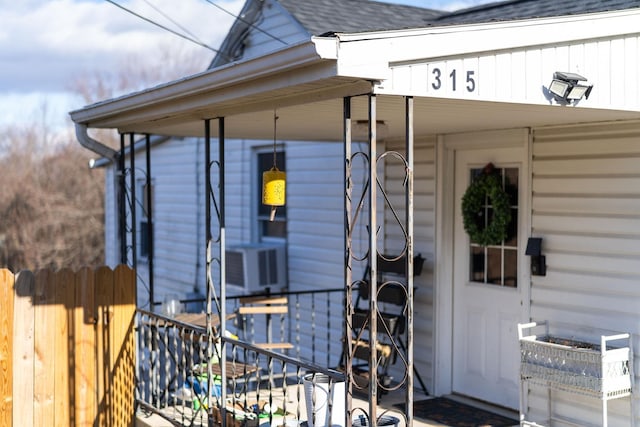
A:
[(314, 52)]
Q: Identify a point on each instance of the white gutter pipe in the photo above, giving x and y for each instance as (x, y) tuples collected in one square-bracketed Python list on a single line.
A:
[(96, 146)]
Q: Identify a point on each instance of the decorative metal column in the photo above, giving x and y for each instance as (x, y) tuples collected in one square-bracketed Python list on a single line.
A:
[(365, 202), (348, 272), (373, 264), (122, 198), (409, 140), (127, 204), (149, 214), (215, 303), (132, 162)]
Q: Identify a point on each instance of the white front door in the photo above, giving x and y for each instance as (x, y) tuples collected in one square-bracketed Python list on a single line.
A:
[(488, 286)]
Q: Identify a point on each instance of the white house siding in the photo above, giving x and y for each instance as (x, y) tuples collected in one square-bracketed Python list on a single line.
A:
[(315, 221), (586, 207), (239, 190), (424, 233), (177, 178), (278, 31), (519, 74)]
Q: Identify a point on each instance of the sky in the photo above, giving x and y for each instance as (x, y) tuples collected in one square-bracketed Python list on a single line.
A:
[(46, 45)]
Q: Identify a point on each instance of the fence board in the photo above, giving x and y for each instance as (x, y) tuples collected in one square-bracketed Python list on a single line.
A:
[(23, 348), (104, 296), (44, 357), (64, 359), (6, 347), (67, 347), (123, 350), (86, 407)]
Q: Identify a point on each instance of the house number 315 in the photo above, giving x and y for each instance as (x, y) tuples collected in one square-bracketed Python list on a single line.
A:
[(453, 76)]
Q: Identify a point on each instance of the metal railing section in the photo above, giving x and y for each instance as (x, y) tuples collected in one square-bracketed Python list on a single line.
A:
[(176, 361)]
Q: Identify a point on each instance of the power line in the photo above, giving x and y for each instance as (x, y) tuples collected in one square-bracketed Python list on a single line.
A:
[(206, 46), (173, 21), (252, 25)]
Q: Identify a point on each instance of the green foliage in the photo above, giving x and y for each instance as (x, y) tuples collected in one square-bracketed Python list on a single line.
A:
[(473, 201)]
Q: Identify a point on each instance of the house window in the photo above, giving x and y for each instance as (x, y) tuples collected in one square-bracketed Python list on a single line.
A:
[(278, 227), (143, 220), (498, 264)]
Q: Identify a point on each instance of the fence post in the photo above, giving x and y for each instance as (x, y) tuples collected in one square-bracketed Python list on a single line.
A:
[(6, 347)]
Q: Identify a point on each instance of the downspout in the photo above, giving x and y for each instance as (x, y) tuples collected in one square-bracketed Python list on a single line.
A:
[(91, 144)]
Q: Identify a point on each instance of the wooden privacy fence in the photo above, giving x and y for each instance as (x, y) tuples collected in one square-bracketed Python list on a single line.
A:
[(67, 348)]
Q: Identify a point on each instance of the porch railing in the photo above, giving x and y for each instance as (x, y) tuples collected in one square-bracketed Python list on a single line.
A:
[(176, 361)]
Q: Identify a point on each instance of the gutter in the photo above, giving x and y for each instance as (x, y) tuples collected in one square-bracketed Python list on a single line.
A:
[(91, 144), (110, 113)]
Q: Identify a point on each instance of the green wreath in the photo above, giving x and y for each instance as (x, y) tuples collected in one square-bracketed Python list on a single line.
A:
[(486, 185)]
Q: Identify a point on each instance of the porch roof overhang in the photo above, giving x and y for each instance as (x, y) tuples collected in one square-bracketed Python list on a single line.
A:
[(306, 83)]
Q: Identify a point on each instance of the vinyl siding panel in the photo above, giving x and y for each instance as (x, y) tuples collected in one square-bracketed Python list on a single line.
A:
[(315, 195), (176, 175), (315, 222), (586, 207), (424, 233), (276, 30), (516, 75)]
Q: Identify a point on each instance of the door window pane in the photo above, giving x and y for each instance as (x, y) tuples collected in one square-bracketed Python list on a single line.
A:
[(497, 264)]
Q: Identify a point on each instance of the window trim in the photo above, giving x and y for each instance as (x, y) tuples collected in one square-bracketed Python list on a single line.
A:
[(256, 199)]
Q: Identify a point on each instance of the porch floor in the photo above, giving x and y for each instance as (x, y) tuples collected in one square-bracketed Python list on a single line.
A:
[(385, 407)]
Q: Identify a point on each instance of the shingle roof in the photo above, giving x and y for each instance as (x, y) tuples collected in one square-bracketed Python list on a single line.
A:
[(521, 9), (332, 16), (320, 17), (346, 16)]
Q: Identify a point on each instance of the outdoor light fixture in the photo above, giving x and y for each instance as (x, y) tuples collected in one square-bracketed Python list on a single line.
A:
[(565, 87), (538, 261)]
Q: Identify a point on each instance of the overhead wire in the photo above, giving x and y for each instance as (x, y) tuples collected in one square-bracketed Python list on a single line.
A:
[(173, 21), (251, 24), (144, 18)]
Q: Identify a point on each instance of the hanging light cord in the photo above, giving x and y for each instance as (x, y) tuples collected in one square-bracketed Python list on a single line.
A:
[(275, 121), (272, 215)]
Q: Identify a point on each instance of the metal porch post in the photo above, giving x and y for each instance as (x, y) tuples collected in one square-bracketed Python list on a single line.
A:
[(209, 281), (149, 220), (122, 199), (223, 280), (409, 139), (132, 162), (210, 285), (348, 273), (373, 268)]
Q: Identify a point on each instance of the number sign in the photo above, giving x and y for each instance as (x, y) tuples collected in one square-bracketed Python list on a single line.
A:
[(451, 80)]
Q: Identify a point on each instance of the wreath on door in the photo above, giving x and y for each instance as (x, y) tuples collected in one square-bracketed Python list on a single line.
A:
[(487, 185)]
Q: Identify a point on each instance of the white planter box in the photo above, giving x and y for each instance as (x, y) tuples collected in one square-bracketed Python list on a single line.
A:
[(596, 370)]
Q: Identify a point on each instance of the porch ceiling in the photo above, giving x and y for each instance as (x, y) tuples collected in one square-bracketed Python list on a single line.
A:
[(322, 120)]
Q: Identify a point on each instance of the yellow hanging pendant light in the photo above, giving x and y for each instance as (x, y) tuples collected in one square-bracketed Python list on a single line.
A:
[(273, 187), (274, 181)]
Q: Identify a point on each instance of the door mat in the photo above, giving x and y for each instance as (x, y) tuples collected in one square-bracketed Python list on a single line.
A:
[(456, 414)]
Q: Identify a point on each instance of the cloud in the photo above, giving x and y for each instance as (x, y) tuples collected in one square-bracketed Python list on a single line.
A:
[(43, 43), (46, 44)]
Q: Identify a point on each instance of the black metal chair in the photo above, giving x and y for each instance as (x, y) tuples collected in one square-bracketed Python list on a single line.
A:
[(391, 324)]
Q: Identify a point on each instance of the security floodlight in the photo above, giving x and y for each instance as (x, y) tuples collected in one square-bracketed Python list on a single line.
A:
[(566, 88)]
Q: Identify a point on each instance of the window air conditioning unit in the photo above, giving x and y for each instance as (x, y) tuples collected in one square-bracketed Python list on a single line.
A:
[(255, 267)]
